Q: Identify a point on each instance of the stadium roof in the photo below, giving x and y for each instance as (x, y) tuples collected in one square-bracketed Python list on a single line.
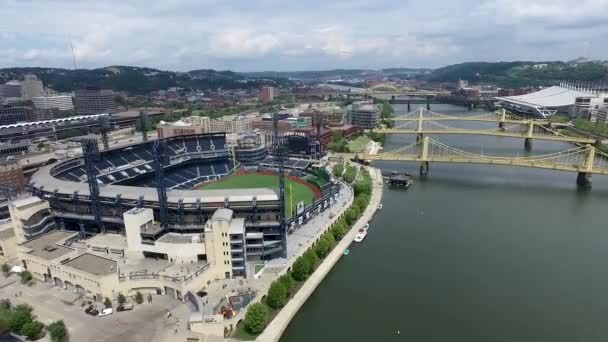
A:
[(43, 178), (544, 102)]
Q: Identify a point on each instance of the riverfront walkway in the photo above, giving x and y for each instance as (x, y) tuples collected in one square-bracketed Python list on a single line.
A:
[(278, 325)]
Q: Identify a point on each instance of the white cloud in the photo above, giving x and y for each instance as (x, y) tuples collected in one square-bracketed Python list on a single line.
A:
[(275, 34), (242, 43)]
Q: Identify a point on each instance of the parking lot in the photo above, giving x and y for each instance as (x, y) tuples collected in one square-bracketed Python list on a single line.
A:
[(145, 323)]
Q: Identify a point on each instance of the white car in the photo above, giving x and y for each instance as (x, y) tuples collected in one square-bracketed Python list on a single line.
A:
[(105, 312)]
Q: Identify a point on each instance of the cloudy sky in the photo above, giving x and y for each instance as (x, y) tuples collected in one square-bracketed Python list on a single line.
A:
[(253, 35)]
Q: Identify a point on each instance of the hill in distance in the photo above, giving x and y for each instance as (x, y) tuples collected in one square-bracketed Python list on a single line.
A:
[(136, 80)]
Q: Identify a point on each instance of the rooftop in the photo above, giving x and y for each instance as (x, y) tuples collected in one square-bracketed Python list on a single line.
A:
[(548, 97), (181, 238), (237, 226), (6, 234), (26, 201), (48, 246), (222, 214), (93, 264)]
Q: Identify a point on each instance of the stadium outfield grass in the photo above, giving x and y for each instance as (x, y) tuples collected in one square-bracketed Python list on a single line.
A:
[(293, 190)]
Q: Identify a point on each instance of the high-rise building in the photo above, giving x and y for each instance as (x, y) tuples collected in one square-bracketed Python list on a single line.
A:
[(59, 102), (11, 89), (14, 114), (94, 101), (31, 87), (364, 115), (267, 94)]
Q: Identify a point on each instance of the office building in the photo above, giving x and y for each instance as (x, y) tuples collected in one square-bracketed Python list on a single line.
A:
[(601, 116), (31, 87), (15, 114), (94, 101), (59, 102), (203, 124), (365, 115), (10, 90), (267, 94)]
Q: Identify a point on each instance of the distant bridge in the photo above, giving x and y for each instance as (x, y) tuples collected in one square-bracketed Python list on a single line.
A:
[(440, 98), (422, 122)]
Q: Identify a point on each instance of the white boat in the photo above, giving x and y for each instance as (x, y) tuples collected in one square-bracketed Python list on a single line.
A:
[(380, 206), (361, 235), (366, 227)]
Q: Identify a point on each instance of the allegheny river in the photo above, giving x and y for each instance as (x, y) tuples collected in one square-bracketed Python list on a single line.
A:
[(472, 253)]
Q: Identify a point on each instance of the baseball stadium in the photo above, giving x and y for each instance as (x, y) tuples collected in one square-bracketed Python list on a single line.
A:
[(201, 175)]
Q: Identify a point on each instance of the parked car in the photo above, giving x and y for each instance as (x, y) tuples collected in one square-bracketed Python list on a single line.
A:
[(105, 312), (124, 307), (91, 311)]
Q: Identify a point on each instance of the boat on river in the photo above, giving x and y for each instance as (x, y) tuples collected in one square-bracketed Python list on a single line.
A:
[(361, 234)]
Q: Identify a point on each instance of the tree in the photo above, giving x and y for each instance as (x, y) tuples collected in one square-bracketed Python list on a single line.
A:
[(139, 298), (26, 277), (287, 280), (339, 230), (338, 170), (277, 295), (362, 200), (20, 316), (5, 269), (324, 246), (121, 299), (352, 214), (58, 331), (299, 270), (107, 302), (337, 136), (256, 317), (311, 259), (32, 329), (350, 174), (5, 304), (362, 187)]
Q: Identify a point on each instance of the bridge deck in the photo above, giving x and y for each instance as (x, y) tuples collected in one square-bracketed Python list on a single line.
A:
[(547, 165), (497, 133)]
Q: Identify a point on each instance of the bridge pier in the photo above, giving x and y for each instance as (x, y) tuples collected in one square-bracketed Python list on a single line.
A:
[(528, 144), (428, 103), (409, 106), (501, 126), (424, 169), (419, 137), (583, 179)]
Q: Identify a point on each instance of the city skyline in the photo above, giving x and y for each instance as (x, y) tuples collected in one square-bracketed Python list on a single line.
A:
[(271, 35)]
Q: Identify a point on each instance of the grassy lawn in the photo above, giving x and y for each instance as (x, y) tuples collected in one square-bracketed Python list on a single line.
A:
[(257, 268), (294, 192), (358, 144)]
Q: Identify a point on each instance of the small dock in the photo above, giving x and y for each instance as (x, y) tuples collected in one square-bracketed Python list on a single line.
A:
[(402, 180)]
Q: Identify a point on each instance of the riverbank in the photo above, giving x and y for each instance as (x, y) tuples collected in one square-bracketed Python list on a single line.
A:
[(278, 325)]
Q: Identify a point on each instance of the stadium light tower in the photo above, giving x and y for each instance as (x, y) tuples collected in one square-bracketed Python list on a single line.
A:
[(90, 152), (160, 158), (279, 157), (142, 122), (104, 127)]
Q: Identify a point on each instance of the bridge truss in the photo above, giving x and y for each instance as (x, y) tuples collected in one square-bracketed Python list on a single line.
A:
[(585, 160), (424, 122)]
